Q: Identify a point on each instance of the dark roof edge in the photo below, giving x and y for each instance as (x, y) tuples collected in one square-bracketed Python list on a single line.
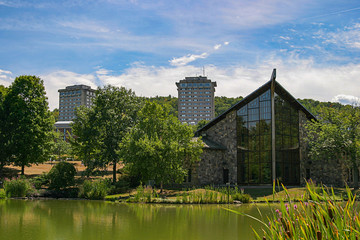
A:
[(223, 115), (304, 109)]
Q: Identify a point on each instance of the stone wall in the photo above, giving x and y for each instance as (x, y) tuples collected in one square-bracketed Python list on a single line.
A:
[(210, 168)]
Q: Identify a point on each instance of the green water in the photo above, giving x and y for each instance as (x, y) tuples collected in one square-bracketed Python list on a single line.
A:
[(72, 219)]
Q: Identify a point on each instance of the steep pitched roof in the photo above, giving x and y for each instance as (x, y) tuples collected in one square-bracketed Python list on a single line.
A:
[(278, 89)]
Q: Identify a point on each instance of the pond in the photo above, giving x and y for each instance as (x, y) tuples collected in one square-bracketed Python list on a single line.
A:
[(77, 219)]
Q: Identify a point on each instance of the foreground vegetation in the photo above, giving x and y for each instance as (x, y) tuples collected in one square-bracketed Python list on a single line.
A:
[(320, 214)]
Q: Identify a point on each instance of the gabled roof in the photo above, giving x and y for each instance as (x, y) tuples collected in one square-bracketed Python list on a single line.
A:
[(211, 144), (280, 90)]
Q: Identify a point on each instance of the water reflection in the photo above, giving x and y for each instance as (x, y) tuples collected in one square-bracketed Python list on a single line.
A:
[(61, 219)]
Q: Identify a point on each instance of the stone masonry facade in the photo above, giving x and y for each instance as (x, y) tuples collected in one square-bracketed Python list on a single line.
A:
[(210, 168)]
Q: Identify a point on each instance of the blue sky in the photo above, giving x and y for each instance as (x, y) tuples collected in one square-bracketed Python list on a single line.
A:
[(149, 45)]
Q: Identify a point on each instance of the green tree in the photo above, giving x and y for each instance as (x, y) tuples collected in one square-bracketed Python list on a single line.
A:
[(112, 116), (337, 135), (159, 147), (29, 123), (55, 113), (61, 175), (201, 124), (61, 148), (4, 157), (224, 103), (85, 145)]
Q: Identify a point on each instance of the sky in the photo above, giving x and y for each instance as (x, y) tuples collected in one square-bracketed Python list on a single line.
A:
[(148, 45)]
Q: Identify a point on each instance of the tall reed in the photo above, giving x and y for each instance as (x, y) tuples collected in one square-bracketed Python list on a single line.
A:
[(318, 216)]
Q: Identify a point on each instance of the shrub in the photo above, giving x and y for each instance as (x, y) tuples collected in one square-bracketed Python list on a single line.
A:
[(17, 188), (62, 175), (97, 189), (121, 186), (2, 194), (242, 197), (40, 180)]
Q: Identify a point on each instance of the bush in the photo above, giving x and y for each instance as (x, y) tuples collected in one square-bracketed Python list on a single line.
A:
[(95, 190), (2, 194), (242, 197), (62, 175), (121, 186), (17, 188), (40, 181)]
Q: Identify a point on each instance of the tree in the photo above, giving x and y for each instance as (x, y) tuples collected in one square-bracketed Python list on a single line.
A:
[(28, 122), (55, 113), (62, 175), (4, 157), (86, 143), (201, 124), (61, 149), (103, 127), (337, 135), (159, 147)]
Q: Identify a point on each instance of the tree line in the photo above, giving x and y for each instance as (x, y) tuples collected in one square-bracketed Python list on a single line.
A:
[(119, 128), (143, 134)]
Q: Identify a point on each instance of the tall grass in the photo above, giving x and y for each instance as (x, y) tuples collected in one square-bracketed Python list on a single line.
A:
[(144, 194), (192, 196), (18, 187), (318, 216), (95, 190), (214, 195)]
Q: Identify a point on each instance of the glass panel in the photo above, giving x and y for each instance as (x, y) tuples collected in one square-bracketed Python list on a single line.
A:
[(266, 142), (253, 157), (286, 128), (266, 172), (254, 114), (265, 156), (254, 103), (265, 110), (265, 127), (243, 140), (242, 111), (265, 96), (253, 129), (254, 142), (279, 171), (243, 174), (254, 173), (287, 141)]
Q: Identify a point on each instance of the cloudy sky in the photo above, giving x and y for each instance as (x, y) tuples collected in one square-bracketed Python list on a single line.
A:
[(148, 45)]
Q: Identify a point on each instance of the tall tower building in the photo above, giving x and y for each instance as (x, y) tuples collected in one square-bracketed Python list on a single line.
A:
[(195, 99), (72, 97)]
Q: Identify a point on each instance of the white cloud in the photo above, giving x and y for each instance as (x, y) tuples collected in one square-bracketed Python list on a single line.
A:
[(182, 61), (5, 77), (226, 43), (285, 38), (60, 79), (217, 46), (301, 77), (346, 99), (348, 37)]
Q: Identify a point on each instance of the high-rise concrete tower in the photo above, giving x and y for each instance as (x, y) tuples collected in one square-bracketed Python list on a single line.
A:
[(72, 97), (196, 99)]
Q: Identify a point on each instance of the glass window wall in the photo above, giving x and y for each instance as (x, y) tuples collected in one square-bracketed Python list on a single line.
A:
[(254, 141)]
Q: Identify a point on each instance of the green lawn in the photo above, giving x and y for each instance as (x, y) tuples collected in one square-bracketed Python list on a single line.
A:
[(258, 194)]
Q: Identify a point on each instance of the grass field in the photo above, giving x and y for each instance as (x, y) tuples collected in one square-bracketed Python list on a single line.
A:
[(34, 170)]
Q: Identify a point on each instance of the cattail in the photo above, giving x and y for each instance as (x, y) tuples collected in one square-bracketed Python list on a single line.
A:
[(331, 213), (318, 235)]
